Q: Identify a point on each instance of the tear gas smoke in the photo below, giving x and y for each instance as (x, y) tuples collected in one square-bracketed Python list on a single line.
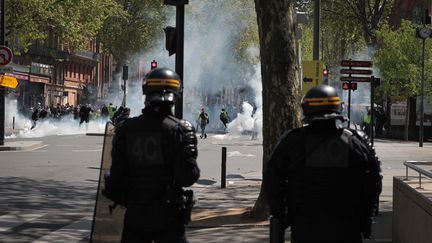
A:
[(360, 98), (214, 78)]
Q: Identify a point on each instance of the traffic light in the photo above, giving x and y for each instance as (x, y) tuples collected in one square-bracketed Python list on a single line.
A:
[(346, 86), (377, 82), (153, 64), (325, 76), (125, 72), (176, 2), (170, 40)]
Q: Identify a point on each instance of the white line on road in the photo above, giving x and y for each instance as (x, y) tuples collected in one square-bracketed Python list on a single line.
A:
[(71, 233), (9, 221), (88, 150)]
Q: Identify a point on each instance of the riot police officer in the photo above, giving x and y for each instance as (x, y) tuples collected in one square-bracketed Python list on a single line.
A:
[(322, 180), (153, 157)]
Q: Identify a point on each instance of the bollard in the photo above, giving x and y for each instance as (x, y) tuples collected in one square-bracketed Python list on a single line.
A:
[(223, 169), (13, 123)]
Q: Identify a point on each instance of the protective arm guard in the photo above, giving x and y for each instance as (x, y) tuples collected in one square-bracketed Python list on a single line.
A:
[(372, 185), (186, 171)]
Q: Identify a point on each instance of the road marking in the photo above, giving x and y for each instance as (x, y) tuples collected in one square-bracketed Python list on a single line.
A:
[(9, 221), (88, 150), (71, 233)]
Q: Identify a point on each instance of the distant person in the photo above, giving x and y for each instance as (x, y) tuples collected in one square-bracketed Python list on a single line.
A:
[(76, 113), (224, 117), (43, 113), (367, 120), (204, 120), (34, 117), (104, 113), (111, 110), (381, 119), (322, 180), (84, 113)]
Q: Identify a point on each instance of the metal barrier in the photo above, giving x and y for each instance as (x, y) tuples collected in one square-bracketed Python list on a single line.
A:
[(414, 165)]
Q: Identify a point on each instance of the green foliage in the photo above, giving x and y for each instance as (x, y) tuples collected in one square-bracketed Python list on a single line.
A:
[(399, 60), (344, 30), (70, 22), (248, 37), (134, 30)]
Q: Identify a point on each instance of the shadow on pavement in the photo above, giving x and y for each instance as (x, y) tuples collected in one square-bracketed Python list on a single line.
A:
[(28, 194)]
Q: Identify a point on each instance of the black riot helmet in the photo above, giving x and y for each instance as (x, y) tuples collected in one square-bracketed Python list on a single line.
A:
[(321, 103), (161, 86)]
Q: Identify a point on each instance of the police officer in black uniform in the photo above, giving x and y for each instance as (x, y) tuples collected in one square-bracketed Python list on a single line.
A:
[(153, 157), (322, 180)]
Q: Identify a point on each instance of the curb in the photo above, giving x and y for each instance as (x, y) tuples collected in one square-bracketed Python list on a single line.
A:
[(21, 146), (95, 134)]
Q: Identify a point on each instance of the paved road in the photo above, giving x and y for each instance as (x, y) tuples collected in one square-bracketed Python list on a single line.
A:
[(48, 194)]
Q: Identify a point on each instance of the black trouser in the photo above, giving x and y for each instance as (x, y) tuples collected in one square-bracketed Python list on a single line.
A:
[(84, 119), (144, 224)]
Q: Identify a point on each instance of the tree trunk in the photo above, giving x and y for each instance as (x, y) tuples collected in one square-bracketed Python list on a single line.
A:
[(280, 78), (406, 128)]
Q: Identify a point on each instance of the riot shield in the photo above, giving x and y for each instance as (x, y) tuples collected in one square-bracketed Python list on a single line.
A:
[(106, 227)]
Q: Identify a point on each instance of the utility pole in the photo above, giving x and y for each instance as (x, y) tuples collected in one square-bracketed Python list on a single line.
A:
[(316, 30), (423, 33), (125, 78), (2, 90), (421, 128), (179, 47), (179, 66)]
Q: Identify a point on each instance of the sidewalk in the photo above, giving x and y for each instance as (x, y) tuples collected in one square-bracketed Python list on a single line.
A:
[(217, 216), (18, 145)]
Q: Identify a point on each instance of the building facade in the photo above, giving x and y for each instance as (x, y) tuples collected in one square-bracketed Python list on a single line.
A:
[(49, 74)]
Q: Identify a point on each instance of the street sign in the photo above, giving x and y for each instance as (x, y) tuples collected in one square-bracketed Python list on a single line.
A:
[(352, 63), (5, 55), (312, 75), (356, 71), (355, 79), (6, 69), (8, 81), (346, 86)]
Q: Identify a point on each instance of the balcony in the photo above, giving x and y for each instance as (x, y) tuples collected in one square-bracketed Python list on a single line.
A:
[(42, 69), (89, 55), (49, 52)]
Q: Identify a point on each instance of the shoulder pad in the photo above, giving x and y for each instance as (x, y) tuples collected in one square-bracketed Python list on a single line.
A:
[(186, 125), (358, 134), (183, 124), (364, 139)]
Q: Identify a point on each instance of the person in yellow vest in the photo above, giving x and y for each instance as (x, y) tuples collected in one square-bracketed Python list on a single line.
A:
[(111, 110), (367, 119)]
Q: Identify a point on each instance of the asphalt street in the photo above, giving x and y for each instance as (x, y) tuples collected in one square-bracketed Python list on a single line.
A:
[(48, 193)]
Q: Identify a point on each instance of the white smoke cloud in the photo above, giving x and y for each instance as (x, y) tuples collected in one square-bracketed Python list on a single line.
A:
[(46, 127), (210, 67)]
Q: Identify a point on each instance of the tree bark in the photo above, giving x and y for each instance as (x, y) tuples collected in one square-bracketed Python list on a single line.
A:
[(280, 78)]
